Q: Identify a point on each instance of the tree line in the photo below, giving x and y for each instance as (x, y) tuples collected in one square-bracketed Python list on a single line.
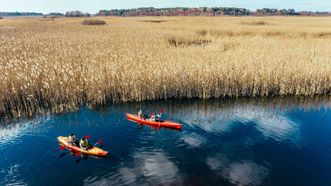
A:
[(178, 11), (6, 14), (207, 11)]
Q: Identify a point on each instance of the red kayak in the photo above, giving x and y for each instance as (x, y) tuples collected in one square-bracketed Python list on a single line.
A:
[(166, 124)]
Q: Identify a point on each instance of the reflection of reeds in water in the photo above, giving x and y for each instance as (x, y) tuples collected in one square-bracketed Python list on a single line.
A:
[(192, 110), (61, 65), (229, 107), (186, 108), (269, 117)]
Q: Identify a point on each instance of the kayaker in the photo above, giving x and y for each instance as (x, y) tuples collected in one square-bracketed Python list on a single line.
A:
[(84, 144), (140, 114), (153, 116), (72, 139), (158, 117)]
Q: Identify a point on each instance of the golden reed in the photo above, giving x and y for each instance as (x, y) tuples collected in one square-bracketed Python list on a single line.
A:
[(59, 65)]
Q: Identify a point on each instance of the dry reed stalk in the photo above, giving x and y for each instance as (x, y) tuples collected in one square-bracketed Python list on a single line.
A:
[(61, 65)]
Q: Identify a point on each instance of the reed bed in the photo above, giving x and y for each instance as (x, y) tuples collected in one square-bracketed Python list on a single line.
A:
[(61, 65), (93, 22), (255, 23)]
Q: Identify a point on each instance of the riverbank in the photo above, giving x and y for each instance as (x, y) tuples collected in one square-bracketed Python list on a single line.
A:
[(56, 65)]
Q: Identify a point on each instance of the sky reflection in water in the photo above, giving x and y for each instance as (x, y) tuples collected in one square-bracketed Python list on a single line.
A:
[(230, 142)]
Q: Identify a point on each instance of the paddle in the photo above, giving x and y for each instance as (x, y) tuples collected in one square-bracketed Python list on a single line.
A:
[(158, 116), (87, 137), (77, 153), (62, 154), (62, 147), (99, 142)]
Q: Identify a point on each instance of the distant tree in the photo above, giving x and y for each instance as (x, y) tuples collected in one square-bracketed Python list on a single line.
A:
[(214, 11), (53, 15), (77, 14)]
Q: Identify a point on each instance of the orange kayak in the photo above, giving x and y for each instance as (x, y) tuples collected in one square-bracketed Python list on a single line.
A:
[(95, 151), (166, 124)]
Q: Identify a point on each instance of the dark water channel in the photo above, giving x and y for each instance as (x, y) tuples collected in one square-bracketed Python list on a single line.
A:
[(223, 142)]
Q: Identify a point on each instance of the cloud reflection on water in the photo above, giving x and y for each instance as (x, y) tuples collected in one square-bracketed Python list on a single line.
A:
[(240, 173), (153, 166), (272, 124), (194, 140), (246, 173)]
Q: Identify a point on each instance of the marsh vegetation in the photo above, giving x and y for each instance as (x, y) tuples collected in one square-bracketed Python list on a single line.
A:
[(55, 66), (93, 22)]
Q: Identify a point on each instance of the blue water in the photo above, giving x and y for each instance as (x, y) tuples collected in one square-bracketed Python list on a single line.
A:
[(223, 142)]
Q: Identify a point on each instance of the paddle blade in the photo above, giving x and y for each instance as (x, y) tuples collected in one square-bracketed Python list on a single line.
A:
[(77, 154), (87, 137), (62, 147), (62, 154)]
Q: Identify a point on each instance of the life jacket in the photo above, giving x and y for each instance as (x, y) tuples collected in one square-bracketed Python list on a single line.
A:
[(72, 138), (83, 143)]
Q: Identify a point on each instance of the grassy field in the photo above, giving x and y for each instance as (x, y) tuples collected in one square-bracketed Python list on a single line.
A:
[(55, 65)]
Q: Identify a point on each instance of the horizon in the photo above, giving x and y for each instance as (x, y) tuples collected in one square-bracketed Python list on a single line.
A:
[(94, 6)]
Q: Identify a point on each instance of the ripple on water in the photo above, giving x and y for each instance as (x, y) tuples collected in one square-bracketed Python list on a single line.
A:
[(11, 175), (214, 125), (11, 132)]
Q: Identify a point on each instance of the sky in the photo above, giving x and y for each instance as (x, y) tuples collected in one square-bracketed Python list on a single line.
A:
[(93, 6)]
